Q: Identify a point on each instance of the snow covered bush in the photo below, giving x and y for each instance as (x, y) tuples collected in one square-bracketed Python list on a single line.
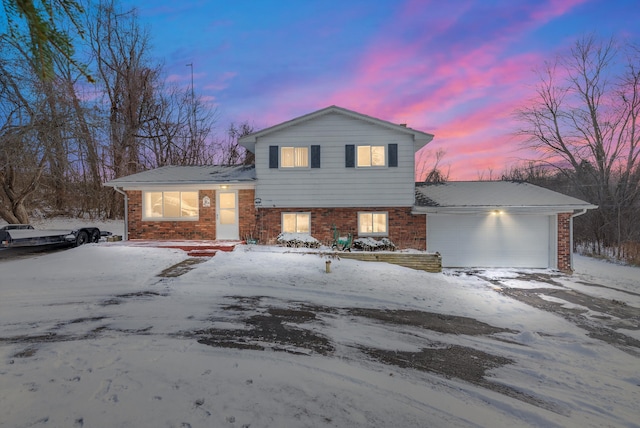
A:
[(297, 240), (370, 244)]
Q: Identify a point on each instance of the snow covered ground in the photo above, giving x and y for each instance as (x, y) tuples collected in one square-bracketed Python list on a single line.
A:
[(95, 336)]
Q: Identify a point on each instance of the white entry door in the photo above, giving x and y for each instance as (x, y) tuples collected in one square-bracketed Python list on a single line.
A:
[(227, 215)]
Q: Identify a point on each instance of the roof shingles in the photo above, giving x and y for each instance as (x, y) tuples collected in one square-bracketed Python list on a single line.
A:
[(189, 175), (481, 194)]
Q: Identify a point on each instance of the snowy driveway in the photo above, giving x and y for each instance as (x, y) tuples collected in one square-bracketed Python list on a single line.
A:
[(110, 335), (605, 316)]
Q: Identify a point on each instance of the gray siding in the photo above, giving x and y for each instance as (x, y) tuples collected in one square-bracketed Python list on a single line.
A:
[(334, 185)]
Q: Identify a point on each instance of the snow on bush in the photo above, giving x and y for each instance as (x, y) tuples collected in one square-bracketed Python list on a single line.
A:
[(370, 244), (298, 240)]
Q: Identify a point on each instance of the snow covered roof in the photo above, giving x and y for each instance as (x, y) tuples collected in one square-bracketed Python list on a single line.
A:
[(420, 138), (464, 196), (181, 175)]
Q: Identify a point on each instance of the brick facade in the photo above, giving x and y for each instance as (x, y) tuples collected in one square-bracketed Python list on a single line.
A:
[(247, 213), (564, 242), (405, 230), (204, 228)]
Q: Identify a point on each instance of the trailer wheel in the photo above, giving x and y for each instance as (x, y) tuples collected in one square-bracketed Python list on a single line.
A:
[(95, 236), (81, 238)]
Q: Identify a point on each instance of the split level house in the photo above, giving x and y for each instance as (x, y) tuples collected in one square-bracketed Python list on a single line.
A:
[(337, 167)]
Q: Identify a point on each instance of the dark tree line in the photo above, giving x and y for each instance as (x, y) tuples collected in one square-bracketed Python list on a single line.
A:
[(68, 123)]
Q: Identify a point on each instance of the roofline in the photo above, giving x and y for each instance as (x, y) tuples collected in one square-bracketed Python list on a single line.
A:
[(128, 180), (130, 184), (488, 208), (421, 138), (230, 185), (115, 183)]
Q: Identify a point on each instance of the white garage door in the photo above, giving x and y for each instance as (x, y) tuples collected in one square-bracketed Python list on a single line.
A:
[(490, 240)]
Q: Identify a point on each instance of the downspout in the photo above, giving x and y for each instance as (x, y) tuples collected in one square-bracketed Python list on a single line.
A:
[(126, 212), (575, 214)]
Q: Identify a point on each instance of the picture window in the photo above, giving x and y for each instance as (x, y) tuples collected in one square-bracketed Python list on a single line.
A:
[(170, 205)]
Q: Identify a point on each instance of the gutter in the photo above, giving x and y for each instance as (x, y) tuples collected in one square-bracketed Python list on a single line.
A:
[(478, 209), (575, 214), (584, 210), (126, 212)]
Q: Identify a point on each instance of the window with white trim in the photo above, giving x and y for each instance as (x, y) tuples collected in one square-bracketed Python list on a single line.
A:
[(294, 157), (373, 224), (296, 223), (173, 205), (371, 156)]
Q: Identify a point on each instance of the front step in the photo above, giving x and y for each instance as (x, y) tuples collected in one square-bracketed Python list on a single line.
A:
[(204, 252), (195, 248)]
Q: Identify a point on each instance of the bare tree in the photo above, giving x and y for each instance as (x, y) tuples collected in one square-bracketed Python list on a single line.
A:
[(170, 138), (128, 78), (230, 152), (584, 122), (57, 145), (430, 167), (85, 171), (58, 140), (25, 131), (38, 77), (530, 172)]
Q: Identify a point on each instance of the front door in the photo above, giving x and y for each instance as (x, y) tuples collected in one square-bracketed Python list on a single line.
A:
[(227, 215)]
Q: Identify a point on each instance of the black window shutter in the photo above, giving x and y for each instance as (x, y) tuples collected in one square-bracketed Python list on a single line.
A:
[(273, 156), (315, 156), (393, 155), (350, 156)]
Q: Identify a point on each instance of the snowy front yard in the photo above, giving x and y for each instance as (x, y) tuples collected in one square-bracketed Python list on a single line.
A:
[(105, 336)]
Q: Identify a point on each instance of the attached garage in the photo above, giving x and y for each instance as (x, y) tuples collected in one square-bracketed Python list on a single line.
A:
[(498, 224), (494, 239)]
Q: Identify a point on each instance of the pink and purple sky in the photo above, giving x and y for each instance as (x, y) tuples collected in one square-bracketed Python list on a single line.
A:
[(454, 68)]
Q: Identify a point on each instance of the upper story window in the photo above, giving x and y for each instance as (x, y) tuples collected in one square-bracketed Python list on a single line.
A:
[(373, 223), (170, 205), (296, 222), (367, 156), (294, 157), (371, 156)]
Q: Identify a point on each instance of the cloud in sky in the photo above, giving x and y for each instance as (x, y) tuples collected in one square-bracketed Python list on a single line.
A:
[(455, 69)]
